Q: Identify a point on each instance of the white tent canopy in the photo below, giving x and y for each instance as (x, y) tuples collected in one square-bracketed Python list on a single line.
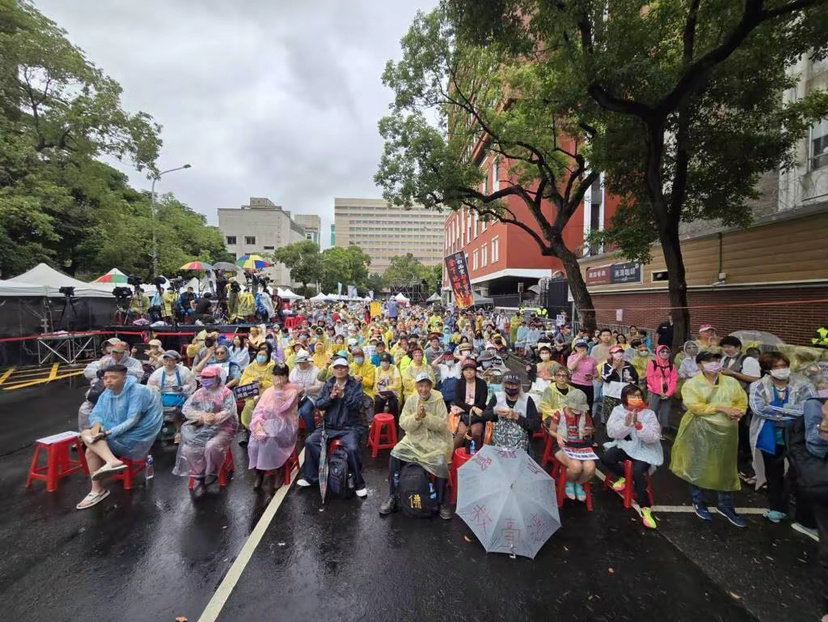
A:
[(435, 297), (19, 288), (401, 298), (289, 294), (46, 276)]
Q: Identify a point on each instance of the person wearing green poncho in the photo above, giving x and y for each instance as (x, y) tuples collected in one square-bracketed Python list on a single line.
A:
[(704, 454)]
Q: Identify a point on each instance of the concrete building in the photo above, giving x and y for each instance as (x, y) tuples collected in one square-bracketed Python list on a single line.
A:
[(333, 235), (770, 276), (384, 231), (260, 227), (312, 224)]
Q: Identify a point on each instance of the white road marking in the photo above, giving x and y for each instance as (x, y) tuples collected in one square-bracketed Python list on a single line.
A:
[(225, 588)]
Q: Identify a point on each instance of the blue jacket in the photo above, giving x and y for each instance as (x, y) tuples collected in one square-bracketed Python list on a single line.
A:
[(343, 412), (133, 417)]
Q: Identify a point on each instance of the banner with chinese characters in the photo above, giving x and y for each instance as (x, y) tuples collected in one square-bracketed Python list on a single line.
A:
[(458, 276), (615, 273)]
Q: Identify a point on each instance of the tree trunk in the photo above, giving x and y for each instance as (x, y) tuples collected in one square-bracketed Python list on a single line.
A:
[(677, 283), (583, 299)]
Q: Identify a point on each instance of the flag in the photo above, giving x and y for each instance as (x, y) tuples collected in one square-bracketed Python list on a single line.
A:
[(458, 275)]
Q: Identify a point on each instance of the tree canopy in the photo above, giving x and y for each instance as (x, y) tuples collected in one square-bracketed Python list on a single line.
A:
[(59, 113), (303, 259)]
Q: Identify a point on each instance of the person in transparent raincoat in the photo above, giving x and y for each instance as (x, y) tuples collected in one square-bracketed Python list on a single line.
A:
[(211, 422), (274, 427), (704, 453)]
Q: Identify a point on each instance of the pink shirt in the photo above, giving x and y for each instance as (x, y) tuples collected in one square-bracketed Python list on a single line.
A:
[(585, 370)]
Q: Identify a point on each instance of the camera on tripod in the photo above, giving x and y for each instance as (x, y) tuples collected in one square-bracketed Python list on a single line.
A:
[(133, 280), (176, 283), (122, 294), (67, 291), (158, 282)]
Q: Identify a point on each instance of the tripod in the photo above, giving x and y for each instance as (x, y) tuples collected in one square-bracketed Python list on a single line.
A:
[(68, 324)]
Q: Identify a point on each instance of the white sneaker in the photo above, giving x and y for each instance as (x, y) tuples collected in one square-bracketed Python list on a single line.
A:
[(302, 482), (362, 493), (811, 533)]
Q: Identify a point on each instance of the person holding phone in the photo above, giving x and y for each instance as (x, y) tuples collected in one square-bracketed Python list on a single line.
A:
[(571, 427), (584, 368)]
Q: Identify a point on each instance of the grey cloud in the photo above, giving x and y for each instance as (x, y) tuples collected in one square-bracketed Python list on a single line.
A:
[(263, 97)]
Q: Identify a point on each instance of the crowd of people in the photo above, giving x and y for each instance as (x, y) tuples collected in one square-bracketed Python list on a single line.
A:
[(449, 378)]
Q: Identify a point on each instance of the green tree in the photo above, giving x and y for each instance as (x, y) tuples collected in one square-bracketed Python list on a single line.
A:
[(348, 266), (487, 102), (435, 278), (682, 101), (375, 283), (303, 259), (404, 270)]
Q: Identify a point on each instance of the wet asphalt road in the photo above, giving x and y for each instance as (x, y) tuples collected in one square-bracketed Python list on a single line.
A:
[(154, 553)]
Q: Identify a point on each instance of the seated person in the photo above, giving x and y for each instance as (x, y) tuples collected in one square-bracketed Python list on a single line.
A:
[(341, 400), (470, 397), (154, 353), (545, 368), (211, 423), (389, 386), (114, 353), (175, 383), (636, 437), (123, 424), (274, 427), (219, 355), (427, 442), (416, 367), (571, 426), (260, 372), (304, 375), (514, 414)]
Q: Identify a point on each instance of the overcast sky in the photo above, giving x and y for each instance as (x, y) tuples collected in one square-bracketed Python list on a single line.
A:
[(272, 98)]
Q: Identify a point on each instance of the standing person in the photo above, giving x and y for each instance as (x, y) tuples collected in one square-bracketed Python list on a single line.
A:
[(601, 350), (123, 424), (776, 400), (616, 369), (707, 339), (211, 423), (746, 370), (636, 437), (583, 368), (704, 452), (688, 367), (662, 380), (341, 400), (571, 426), (545, 368), (427, 442), (274, 427), (363, 372), (640, 360), (665, 331)]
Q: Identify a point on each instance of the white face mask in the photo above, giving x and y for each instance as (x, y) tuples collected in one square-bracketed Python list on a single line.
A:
[(712, 367), (781, 374)]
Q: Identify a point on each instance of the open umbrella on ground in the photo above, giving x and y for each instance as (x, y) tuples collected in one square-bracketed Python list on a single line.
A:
[(508, 500), (196, 265), (113, 276), (252, 262), (226, 265)]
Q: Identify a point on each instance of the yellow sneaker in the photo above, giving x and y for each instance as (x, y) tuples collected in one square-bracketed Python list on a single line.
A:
[(619, 485), (647, 518)]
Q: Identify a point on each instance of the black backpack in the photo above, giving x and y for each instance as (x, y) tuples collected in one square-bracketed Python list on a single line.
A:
[(415, 493), (341, 483), (809, 471)]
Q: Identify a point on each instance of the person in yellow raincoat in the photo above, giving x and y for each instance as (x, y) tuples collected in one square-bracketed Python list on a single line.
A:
[(364, 373), (321, 355), (514, 324), (706, 446), (417, 366), (169, 298), (260, 370), (247, 306), (551, 400), (427, 442)]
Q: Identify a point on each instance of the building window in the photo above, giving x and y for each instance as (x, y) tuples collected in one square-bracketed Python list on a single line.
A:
[(476, 219), (496, 175), (659, 276), (268, 248), (495, 249), (484, 255), (819, 144), (474, 260), (250, 239), (231, 240), (594, 215), (468, 226)]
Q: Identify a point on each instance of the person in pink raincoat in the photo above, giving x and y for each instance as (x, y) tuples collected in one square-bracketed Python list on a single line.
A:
[(273, 427), (662, 379)]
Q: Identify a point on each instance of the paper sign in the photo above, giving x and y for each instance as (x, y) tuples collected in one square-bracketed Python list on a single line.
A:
[(614, 389), (619, 315), (580, 453)]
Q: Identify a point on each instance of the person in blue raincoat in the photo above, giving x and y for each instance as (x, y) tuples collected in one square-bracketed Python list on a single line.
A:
[(124, 424)]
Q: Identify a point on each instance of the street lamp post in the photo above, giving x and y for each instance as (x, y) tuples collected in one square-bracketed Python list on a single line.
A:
[(152, 215)]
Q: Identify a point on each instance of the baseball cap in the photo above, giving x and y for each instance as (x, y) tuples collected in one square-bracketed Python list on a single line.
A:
[(422, 376), (616, 349), (511, 377), (385, 357), (576, 401), (706, 327), (118, 346), (211, 371), (340, 363), (171, 354), (581, 342), (469, 364)]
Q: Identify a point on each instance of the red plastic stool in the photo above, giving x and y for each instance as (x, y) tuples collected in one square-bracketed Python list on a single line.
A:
[(559, 475), (548, 455), (134, 467), (227, 467), (58, 463), (539, 433), (292, 461), (383, 433), (628, 494), (458, 459)]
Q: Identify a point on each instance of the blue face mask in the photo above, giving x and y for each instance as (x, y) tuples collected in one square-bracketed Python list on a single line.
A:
[(359, 360), (261, 358)]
